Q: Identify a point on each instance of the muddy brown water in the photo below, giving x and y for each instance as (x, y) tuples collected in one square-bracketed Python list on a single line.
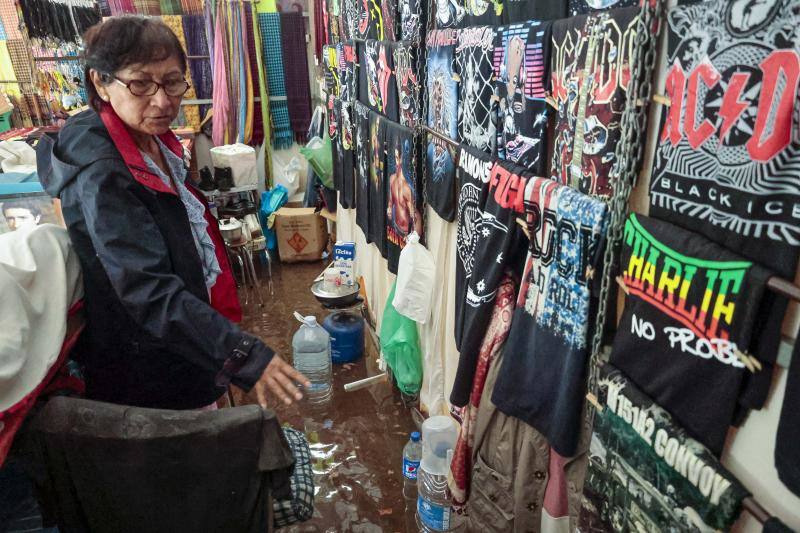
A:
[(357, 445)]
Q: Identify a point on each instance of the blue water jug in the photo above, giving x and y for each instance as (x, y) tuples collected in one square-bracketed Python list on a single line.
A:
[(347, 336)]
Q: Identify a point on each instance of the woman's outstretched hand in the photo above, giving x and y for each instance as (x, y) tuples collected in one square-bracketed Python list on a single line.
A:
[(279, 378)]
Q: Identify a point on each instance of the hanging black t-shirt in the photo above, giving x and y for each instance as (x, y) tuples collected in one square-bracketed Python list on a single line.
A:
[(348, 58), (483, 12), (589, 78), (489, 242), (412, 20), (442, 94), (377, 181), (543, 378), (728, 158), (347, 195), (447, 14), (370, 20), (474, 66), (581, 7), (406, 70), (690, 305), (644, 466), (787, 452), (522, 72), (515, 11), (330, 61), (404, 200), (362, 152), (378, 87), (390, 20), (334, 111)]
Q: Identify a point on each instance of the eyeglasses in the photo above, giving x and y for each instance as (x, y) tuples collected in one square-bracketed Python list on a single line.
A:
[(150, 87)]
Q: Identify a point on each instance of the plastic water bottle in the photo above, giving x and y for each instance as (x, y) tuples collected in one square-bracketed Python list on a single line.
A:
[(311, 346), (412, 454), (434, 514)]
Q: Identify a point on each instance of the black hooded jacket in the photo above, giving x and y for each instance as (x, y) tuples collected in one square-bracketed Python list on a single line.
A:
[(152, 337)]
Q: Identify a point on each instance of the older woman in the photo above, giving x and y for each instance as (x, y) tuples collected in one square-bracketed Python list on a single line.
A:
[(159, 291)]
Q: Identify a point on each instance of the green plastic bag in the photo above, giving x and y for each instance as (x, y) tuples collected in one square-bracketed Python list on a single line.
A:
[(319, 156), (400, 347)]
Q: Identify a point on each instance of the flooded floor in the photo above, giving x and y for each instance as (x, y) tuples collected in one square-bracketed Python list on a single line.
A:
[(357, 445)]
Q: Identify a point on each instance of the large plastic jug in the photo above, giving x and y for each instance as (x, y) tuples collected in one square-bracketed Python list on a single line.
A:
[(311, 347)]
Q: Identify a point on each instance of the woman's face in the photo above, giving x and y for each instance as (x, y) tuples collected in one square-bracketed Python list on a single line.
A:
[(150, 115)]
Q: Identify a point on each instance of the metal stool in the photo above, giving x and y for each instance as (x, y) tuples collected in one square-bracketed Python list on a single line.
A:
[(242, 252)]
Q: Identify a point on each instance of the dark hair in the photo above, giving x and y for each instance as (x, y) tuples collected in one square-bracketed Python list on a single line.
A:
[(31, 205), (119, 42)]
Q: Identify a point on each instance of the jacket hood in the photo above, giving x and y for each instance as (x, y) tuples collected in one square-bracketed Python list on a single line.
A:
[(82, 141)]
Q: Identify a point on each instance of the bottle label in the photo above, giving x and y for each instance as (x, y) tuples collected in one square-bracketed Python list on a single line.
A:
[(410, 468), (436, 517)]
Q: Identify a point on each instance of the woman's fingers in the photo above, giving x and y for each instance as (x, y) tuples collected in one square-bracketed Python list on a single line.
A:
[(261, 394), (280, 378), (278, 390)]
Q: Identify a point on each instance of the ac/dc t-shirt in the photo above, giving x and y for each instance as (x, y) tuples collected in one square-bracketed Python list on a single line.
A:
[(690, 305), (728, 157), (543, 378), (363, 153), (443, 118), (589, 79), (408, 86), (488, 242), (474, 66), (448, 13), (377, 181), (412, 20), (404, 200), (378, 87), (483, 12), (347, 195), (581, 7), (522, 71), (644, 466), (515, 11)]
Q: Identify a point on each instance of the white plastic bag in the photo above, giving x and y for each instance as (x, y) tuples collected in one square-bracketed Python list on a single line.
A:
[(17, 156), (242, 161), (416, 277), (286, 166)]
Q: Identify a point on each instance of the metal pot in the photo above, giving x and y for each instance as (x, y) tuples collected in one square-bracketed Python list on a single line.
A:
[(231, 229), (342, 296)]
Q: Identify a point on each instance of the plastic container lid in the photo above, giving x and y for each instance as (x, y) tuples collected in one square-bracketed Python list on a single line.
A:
[(415, 436)]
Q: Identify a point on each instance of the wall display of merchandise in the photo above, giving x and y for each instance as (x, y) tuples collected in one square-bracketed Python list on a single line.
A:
[(530, 137)]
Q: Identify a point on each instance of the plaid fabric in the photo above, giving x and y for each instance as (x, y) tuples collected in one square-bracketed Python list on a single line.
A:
[(147, 7), (301, 506), (192, 7), (10, 17), (171, 7), (295, 61), (270, 26), (20, 59)]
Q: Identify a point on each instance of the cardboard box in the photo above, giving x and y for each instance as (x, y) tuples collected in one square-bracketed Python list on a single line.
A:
[(302, 234)]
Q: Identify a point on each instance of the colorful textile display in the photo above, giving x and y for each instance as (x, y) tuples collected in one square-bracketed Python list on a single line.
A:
[(10, 18), (544, 374), (191, 112), (270, 25), (257, 127), (404, 199), (147, 7), (221, 100), (522, 77), (171, 7), (647, 474), (474, 66), (590, 106), (442, 92), (199, 69), (295, 62), (690, 306), (729, 154)]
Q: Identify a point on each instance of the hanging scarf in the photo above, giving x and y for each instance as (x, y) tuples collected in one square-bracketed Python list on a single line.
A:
[(264, 102), (257, 122), (191, 112), (148, 7), (221, 102), (171, 7), (200, 69), (270, 26), (320, 37), (298, 85), (192, 7)]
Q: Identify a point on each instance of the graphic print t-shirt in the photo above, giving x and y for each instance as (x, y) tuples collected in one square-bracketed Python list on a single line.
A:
[(347, 196), (690, 305), (644, 466), (408, 84), (348, 59), (729, 153), (330, 60), (515, 11), (377, 181), (447, 14), (370, 20), (474, 66), (590, 104), (334, 112), (483, 12), (390, 20), (443, 118), (521, 67), (404, 201), (582, 7), (378, 87), (412, 20), (488, 242), (544, 373), (363, 157)]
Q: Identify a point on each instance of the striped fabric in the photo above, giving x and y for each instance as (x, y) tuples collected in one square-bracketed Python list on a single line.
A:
[(147, 7), (200, 69), (121, 7), (171, 7), (270, 26), (192, 7), (10, 18), (258, 124)]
